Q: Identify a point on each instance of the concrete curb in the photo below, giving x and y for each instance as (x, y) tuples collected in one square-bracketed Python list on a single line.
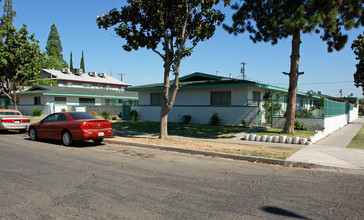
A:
[(225, 155)]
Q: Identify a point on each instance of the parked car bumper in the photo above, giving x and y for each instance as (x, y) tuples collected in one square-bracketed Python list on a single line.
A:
[(14, 126), (92, 133)]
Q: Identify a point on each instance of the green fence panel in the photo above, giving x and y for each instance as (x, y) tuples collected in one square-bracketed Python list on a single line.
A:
[(334, 108)]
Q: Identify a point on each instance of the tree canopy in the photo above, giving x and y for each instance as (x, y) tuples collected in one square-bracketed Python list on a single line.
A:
[(273, 20), (71, 62), (54, 50), (358, 48), (170, 28), (82, 64), (20, 56)]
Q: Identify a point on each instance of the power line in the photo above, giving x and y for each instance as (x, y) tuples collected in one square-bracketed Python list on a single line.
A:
[(316, 83)]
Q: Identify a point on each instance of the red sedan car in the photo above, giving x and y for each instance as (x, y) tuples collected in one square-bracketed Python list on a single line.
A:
[(70, 127)]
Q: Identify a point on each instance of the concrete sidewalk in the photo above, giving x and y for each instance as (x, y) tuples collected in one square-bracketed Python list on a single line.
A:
[(331, 151)]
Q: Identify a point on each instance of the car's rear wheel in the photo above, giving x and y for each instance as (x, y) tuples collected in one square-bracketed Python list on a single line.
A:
[(33, 134), (67, 138), (98, 140)]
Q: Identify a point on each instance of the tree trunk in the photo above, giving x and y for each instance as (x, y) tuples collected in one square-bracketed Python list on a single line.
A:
[(293, 79), (14, 101), (164, 102)]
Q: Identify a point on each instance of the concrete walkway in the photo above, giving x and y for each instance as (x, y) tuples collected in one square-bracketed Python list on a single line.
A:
[(331, 151)]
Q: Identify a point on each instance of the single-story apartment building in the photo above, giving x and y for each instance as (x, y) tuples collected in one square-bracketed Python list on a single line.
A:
[(201, 95)]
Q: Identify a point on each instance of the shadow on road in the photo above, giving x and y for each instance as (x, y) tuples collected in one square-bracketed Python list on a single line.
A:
[(10, 132), (282, 212), (78, 144)]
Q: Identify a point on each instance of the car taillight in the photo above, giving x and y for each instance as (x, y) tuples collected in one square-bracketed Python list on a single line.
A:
[(7, 120), (25, 120), (85, 125), (108, 125)]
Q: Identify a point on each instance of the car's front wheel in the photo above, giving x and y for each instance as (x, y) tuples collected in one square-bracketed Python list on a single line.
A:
[(67, 138), (33, 134), (98, 140)]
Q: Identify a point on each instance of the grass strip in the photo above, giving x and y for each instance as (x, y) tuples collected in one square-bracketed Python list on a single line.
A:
[(281, 153), (278, 131), (358, 140)]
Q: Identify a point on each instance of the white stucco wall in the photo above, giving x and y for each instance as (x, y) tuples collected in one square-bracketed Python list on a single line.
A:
[(334, 123), (239, 96), (354, 114)]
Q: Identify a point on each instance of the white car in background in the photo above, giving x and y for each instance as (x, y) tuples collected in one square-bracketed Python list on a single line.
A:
[(13, 120)]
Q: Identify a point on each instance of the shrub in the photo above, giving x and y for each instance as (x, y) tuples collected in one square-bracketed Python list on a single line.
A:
[(37, 112), (215, 120), (113, 117), (134, 115), (186, 119), (246, 123), (105, 114), (300, 126), (63, 110), (120, 115), (304, 113), (93, 113)]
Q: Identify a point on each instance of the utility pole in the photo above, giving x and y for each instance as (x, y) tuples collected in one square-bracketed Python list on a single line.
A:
[(121, 76), (242, 70)]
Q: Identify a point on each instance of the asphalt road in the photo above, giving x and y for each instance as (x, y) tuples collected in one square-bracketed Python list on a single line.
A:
[(44, 180)]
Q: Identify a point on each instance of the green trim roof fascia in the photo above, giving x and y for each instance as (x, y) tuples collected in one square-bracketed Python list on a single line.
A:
[(83, 95), (79, 95), (79, 92), (202, 75)]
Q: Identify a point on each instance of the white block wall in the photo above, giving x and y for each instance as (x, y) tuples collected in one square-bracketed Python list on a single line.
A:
[(334, 123), (354, 114)]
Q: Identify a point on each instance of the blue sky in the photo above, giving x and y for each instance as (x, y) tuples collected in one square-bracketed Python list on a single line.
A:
[(76, 24)]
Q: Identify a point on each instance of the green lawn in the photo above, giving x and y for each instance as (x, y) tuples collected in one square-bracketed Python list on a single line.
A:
[(34, 119), (281, 153), (358, 140), (278, 131), (193, 130)]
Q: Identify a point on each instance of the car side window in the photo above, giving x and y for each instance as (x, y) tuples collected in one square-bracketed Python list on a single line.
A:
[(61, 117), (50, 118)]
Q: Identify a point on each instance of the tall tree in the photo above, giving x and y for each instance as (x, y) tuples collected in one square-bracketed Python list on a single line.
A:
[(358, 47), (273, 20), (82, 64), (54, 50), (20, 57), (71, 62), (8, 15), (171, 29)]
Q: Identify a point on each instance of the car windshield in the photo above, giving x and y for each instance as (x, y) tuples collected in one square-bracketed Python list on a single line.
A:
[(9, 113), (81, 115)]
